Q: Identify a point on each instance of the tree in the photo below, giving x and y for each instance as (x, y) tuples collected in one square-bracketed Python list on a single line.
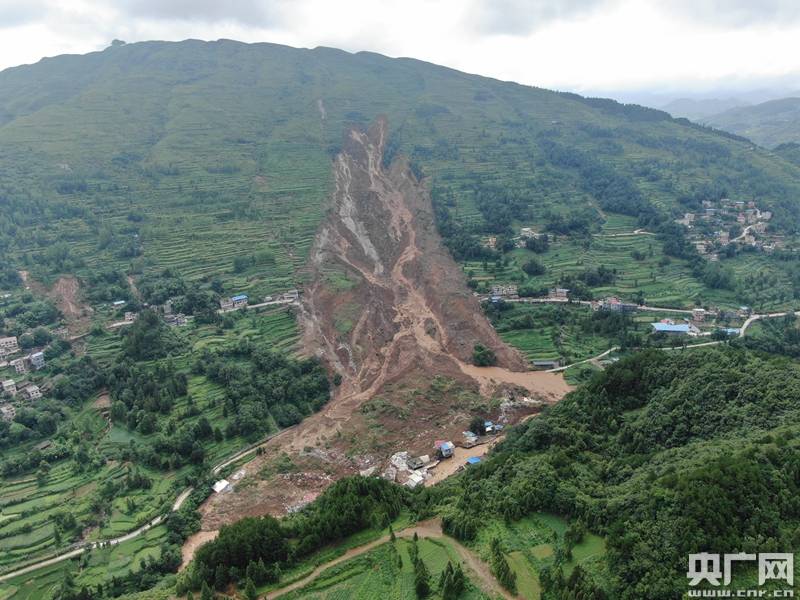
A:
[(501, 569), (422, 578), (533, 268), (206, 593), (478, 425), (250, 592), (483, 356)]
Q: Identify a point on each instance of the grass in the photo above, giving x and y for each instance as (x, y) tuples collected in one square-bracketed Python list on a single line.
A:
[(530, 544), (88, 569), (28, 509), (377, 573)]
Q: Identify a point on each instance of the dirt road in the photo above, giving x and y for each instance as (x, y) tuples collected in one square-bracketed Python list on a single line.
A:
[(476, 568)]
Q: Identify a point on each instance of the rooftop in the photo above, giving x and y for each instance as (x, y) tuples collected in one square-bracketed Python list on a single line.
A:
[(668, 328)]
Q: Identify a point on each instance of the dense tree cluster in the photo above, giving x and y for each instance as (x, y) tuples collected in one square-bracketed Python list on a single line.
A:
[(264, 386), (644, 455), (258, 548)]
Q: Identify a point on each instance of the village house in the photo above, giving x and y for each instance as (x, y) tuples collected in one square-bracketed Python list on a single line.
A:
[(9, 387), (19, 365), (741, 219), (505, 291), (32, 392), (226, 303), (724, 237), (130, 317), (698, 314), (239, 301), (223, 485), (118, 303), (546, 364), (8, 345), (614, 304), (7, 412), (559, 293), (37, 360), (291, 295)]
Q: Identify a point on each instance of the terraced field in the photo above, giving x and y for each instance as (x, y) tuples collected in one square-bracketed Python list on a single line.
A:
[(378, 573), (29, 507), (92, 568), (531, 544)]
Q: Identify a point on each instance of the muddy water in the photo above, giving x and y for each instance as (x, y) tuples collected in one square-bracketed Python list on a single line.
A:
[(551, 386)]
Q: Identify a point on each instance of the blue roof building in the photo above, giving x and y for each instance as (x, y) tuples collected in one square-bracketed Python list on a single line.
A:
[(668, 328), (473, 460), (239, 298)]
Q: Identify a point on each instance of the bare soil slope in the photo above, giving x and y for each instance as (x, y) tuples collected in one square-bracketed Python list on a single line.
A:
[(389, 311)]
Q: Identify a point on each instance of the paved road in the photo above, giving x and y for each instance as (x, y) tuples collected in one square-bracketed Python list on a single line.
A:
[(179, 501), (750, 320)]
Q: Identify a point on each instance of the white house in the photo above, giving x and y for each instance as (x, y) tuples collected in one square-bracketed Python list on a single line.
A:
[(223, 485)]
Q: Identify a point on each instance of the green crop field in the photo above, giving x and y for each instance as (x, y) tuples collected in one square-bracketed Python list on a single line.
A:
[(378, 574), (190, 172), (537, 541), (29, 506), (89, 568)]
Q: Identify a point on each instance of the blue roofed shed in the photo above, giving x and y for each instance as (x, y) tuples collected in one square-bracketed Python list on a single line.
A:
[(668, 328)]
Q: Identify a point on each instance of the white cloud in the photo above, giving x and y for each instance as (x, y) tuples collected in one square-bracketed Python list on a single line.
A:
[(582, 45)]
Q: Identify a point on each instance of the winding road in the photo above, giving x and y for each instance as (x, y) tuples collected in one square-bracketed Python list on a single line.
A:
[(176, 506), (750, 320), (430, 529), (181, 498)]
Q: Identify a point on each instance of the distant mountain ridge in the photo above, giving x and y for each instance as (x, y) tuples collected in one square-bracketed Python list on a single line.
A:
[(702, 108), (768, 124)]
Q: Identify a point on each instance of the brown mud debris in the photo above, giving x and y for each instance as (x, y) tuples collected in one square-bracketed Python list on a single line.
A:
[(388, 310)]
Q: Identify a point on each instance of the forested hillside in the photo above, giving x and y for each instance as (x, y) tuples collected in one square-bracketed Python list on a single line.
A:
[(150, 191), (214, 158), (662, 456), (768, 124)]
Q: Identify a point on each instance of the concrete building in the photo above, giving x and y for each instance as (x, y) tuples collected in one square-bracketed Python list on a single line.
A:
[(8, 345), (32, 392), (19, 365), (37, 360), (239, 301), (504, 291), (7, 412), (10, 387)]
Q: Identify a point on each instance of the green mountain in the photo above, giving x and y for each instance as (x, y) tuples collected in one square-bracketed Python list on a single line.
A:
[(700, 109), (190, 155), (169, 176), (768, 124)]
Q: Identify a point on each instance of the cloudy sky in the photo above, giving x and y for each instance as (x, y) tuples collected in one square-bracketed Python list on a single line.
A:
[(617, 47)]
